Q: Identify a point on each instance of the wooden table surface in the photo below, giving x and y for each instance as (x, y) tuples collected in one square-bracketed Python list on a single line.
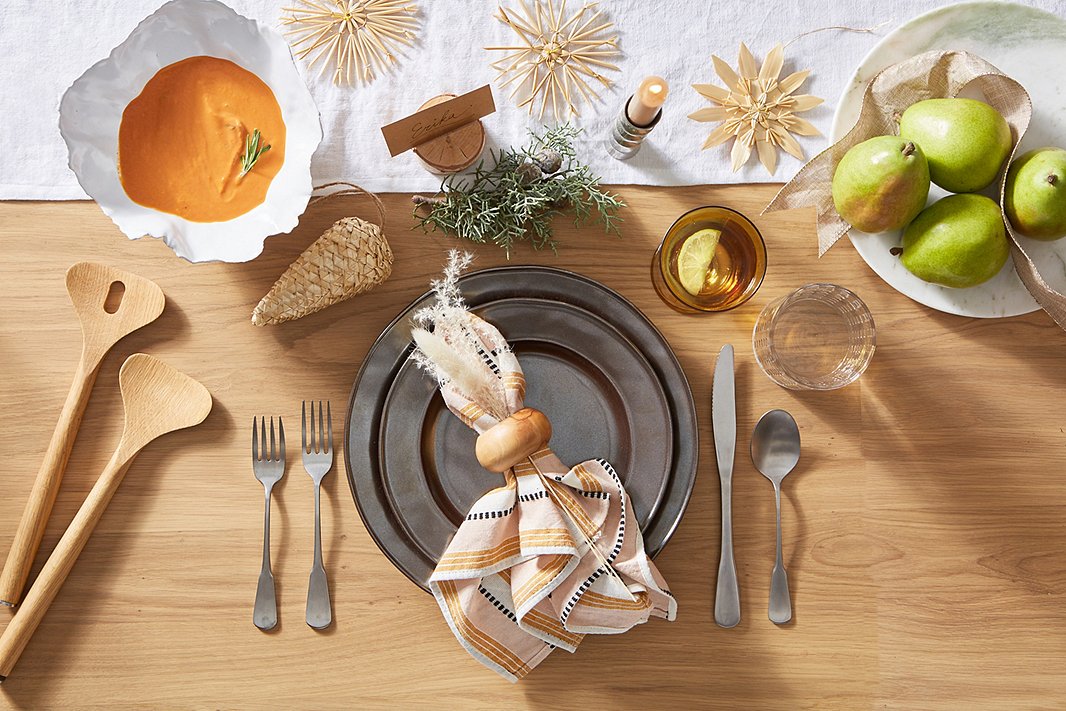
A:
[(924, 527)]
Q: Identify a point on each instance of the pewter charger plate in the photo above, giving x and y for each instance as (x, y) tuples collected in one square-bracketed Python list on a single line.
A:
[(594, 365)]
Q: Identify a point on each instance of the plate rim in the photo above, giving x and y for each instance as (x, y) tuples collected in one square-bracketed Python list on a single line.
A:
[(688, 400)]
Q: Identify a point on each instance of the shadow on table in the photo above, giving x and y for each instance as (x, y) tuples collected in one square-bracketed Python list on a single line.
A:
[(908, 386), (649, 667), (962, 439), (56, 643)]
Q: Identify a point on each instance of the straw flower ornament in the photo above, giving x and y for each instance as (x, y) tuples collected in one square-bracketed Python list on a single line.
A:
[(757, 108), (558, 57), (355, 36)]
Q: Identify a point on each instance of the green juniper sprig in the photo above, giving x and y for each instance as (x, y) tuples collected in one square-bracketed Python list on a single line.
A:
[(520, 193), (252, 151)]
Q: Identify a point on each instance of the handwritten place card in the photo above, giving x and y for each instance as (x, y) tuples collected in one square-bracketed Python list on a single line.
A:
[(437, 120)]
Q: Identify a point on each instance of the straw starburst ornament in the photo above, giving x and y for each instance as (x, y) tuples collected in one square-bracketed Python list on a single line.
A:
[(559, 55), (355, 37), (757, 108)]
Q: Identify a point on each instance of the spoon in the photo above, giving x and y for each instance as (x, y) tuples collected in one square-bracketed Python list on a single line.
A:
[(775, 449), (157, 400), (110, 304)]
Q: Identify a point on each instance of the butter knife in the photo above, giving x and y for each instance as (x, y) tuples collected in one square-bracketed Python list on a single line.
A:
[(724, 421)]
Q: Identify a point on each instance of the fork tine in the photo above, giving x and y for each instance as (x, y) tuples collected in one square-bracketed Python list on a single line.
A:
[(314, 443), (281, 439), (263, 436), (303, 425), (273, 450), (255, 442), (321, 430), (329, 423)]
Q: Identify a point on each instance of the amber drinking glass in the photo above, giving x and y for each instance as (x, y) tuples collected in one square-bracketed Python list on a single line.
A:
[(735, 273)]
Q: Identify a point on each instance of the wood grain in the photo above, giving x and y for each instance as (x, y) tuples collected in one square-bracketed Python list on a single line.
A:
[(110, 304), (924, 531), (156, 400)]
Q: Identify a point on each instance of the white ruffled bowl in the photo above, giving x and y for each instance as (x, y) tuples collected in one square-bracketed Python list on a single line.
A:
[(91, 111)]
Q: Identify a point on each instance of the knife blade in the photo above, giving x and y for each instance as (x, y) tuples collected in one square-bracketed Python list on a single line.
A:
[(724, 422)]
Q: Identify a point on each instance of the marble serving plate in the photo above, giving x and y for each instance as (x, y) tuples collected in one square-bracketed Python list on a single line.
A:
[(1028, 45), (91, 111)]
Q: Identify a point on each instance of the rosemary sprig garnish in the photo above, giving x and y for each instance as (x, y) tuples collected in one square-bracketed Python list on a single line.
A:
[(519, 192), (252, 151)]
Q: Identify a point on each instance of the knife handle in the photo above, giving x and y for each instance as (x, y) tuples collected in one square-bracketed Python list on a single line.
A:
[(727, 597)]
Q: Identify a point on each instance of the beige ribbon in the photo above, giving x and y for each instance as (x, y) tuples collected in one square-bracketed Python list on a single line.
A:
[(931, 75)]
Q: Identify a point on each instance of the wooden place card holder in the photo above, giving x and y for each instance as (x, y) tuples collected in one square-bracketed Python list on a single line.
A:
[(446, 132)]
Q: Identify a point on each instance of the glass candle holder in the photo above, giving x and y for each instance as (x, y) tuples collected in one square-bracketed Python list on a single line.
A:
[(819, 337), (735, 273)]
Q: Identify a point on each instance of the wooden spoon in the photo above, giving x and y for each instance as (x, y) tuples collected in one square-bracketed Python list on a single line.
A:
[(157, 400), (110, 303)]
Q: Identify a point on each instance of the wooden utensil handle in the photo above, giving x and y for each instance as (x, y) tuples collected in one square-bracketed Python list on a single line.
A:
[(45, 488), (501, 447), (59, 564)]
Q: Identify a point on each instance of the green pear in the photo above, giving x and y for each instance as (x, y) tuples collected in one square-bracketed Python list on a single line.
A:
[(1035, 197), (881, 184), (964, 140), (959, 241)]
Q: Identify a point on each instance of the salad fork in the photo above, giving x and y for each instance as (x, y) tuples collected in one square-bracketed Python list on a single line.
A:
[(318, 460), (268, 468)]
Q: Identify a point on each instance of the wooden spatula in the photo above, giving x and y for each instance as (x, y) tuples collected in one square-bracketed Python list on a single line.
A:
[(110, 303), (157, 400)]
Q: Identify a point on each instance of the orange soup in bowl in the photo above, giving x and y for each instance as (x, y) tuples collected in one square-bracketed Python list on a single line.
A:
[(182, 138)]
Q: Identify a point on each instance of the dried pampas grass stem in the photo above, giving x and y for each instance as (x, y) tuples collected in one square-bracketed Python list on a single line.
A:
[(467, 374), (447, 346), (841, 28)]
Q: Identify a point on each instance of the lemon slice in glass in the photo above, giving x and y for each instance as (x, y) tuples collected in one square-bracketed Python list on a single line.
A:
[(694, 259)]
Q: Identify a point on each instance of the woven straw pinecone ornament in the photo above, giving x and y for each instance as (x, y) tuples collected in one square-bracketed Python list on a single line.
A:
[(351, 257)]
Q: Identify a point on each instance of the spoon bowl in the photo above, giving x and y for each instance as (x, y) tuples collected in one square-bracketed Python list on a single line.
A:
[(157, 399), (775, 450), (775, 445)]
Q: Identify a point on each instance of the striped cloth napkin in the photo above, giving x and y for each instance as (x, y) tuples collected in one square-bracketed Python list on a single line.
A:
[(553, 554)]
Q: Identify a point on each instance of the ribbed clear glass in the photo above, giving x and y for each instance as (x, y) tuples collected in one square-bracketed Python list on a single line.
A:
[(819, 337)]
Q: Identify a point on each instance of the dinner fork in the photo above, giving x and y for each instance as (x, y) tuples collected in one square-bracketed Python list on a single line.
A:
[(268, 468), (318, 460)]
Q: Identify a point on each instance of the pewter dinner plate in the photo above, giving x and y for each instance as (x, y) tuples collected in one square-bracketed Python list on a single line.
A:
[(594, 364), (1022, 42)]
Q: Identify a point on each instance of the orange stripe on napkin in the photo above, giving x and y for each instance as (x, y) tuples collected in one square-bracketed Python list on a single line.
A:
[(591, 599), (477, 639), (512, 543), (539, 621), (588, 482), (577, 513), (539, 579)]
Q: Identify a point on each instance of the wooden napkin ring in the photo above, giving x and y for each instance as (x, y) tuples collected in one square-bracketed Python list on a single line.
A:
[(514, 439)]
